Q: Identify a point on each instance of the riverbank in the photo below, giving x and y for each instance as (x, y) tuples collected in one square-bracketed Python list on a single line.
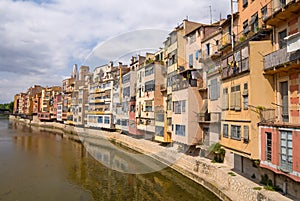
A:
[(218, 178)]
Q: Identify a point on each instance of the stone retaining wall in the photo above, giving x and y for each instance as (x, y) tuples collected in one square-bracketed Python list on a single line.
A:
[(213, 176)]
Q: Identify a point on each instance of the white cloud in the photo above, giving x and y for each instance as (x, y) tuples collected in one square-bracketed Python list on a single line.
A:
[(41, 41)]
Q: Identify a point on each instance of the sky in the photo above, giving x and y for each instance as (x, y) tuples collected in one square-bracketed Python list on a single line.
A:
[(42, 39)]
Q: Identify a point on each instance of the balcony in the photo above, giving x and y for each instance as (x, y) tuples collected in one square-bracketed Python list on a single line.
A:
[(225, 41), (231, 70), (267, 115), (184, 84), (279, 11), (280, 58), (203, 117)]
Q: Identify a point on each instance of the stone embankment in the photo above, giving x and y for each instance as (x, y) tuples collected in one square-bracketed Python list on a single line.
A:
[(218, 178)]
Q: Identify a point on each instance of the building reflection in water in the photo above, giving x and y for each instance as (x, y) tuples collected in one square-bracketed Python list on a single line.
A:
[(82, 168)]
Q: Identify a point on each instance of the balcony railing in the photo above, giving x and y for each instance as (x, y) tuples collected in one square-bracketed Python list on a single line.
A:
[(241, 66), (278, 10), (279, 58), (184, 84), (225, 40), (267, 115), (203, 117)]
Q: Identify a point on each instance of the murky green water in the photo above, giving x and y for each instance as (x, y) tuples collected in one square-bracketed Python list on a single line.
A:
[(42, 166)]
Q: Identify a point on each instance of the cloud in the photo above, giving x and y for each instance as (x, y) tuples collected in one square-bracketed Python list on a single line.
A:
[(41, 39)]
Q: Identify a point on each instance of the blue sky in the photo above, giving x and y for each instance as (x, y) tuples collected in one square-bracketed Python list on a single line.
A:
[(42, 39)]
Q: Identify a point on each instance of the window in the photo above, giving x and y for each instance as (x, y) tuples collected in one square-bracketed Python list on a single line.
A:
[(132, 108), (235, 98), (254, 22), (126, 78), (268, 146), (246, 134), (286, 151), (281, 35), (282, 3), (245, 3), (225, 99), (80, 109), (245, 105), (180, 130), (149, 86), (214, 89), (245, 96), (264, 12), (197, 54), (100, 119), (106, 120), (235, 132), (245, 27), (193, 38), (149, 70), (169, 102), (179, 107), (125, 107), (225, 130), (207, 49), (159, 117), (183, 106), (284, 101), (159, 131), (191, 60), (148, 107), (126, 92), (169, 122)]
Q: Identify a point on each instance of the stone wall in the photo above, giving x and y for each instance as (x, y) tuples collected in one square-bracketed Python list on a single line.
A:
[(218, 178)]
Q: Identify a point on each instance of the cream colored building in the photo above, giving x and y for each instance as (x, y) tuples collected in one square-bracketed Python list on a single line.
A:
[(148, 96)]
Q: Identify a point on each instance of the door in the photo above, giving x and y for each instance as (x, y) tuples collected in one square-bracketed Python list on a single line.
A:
[(284, 101)]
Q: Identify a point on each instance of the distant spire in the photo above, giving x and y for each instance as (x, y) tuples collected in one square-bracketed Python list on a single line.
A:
[(74, 72)]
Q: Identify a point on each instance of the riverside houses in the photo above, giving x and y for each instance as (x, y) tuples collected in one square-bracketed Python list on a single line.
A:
[(243, 84), (100, 114), (48, 112), (209, 117), (175, 59), (280, 118), (79, 97), (68, 85), (149, 96), (235, 82), (121, 98), (135, 63)]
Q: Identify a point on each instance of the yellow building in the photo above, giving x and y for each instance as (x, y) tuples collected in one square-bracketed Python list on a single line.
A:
[(244, 88)]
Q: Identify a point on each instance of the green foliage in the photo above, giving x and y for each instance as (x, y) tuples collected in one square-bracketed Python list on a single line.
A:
[(7, 106), (218, 151), (268, 184), (231, 174), (265, 180), (257, 188)]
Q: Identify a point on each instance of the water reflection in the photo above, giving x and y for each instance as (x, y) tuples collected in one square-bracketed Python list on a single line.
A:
[(38, 165)]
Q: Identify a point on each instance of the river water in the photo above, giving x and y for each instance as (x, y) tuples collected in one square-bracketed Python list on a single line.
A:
[(43, 166)]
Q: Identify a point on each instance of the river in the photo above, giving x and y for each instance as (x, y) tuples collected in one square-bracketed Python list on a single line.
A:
[(44, 166)]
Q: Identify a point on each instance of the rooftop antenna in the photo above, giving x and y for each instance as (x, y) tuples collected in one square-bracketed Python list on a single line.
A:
[(210, 15)]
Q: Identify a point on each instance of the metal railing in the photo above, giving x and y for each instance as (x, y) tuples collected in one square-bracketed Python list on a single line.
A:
[(280, 57), (267, 115)]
